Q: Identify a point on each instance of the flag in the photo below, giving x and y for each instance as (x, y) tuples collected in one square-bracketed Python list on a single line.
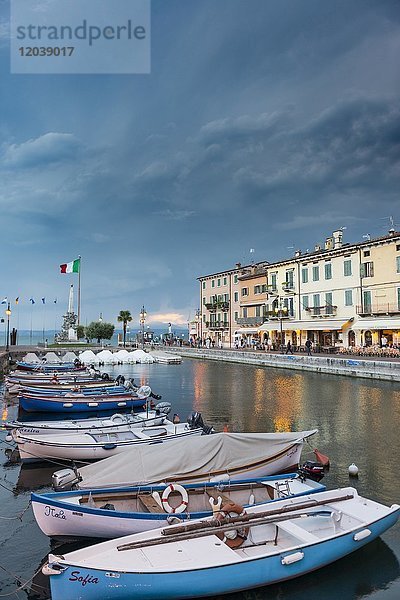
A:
[(31, 300), (55, 300), (4, 301), (17, 300), (71, 267), (44, 300), (252, 250)]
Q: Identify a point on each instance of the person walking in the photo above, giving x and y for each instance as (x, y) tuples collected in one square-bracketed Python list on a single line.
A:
[(288, 348), (308, 345)]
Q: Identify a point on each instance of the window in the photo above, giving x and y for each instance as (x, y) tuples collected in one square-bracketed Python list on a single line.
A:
[(235, 279), (259, 289), (236, 296), (328, 271), (204, 285), (245, 291), (304, 275), (226, 297), (397, 264), (328, 299), (204, 300), (397, 247), (224, 280), (258, 311), (304, 301), (316, 300), (219, 282), (273, 277), (236, 316), (347, 268), (245, 313), (289, 279), (348, 298), (367, 253), (398, 298), (367, 300), (213, 283), (315, 273), (367, 269)]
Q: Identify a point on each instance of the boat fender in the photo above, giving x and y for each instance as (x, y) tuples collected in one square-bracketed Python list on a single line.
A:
[(236, 537), (165, 495)]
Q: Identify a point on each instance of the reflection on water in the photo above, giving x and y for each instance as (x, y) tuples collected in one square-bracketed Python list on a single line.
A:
[(358, 421)]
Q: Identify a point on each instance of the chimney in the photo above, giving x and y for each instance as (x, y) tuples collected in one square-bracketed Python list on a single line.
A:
[(329, 243), (317, 248), (297, 253), (337, 239), (238, 265)]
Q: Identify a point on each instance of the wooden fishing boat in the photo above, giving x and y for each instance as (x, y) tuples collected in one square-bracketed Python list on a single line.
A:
[(229, 553), (95, 445), (211, 457), (148, 418), (49, 367), (108, 513)]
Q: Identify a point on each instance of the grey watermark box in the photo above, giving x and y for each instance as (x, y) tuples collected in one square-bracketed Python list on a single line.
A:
[(80, 36)]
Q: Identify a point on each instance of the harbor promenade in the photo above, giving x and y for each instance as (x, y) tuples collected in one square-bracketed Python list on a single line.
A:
[(351, 366)]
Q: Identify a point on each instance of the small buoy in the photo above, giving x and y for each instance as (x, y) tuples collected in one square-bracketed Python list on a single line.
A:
[(9, 437), (353, 470)]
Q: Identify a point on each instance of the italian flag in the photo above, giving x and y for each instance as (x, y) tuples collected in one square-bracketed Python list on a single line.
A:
[(71, 267)]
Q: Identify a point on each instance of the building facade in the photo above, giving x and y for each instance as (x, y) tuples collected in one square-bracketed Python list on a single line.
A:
[(338, 295)]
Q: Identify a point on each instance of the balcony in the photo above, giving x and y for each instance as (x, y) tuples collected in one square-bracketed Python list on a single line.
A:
[(288, 286), (213, 306), (386, 308), (217, 324), (250, 321), (271, 315), (322, 311)]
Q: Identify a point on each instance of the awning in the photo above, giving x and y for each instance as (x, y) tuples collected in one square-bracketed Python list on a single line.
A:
[(388, 323), (315, 325), (250, 330)]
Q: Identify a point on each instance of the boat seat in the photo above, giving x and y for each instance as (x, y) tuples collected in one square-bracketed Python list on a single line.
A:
[(298, 532), (150, 504)]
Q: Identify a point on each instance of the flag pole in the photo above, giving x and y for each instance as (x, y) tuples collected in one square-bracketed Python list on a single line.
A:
[(79, 290)]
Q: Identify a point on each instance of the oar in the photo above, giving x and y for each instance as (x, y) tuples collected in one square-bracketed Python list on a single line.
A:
[(203, 528)]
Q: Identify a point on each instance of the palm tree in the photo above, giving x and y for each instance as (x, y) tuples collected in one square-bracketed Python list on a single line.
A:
[(124, 317)]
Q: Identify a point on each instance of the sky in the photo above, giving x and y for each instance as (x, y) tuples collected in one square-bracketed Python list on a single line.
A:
[(263, 124)]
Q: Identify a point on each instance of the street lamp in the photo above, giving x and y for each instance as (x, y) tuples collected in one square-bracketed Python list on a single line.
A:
[(197, 318), (281, 312), (143, 315), (8, 313)]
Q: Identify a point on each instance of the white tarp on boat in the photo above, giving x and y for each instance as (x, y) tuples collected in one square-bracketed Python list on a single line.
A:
[(122, 356), (139, 356), (51, 357), (204, 454), (69, 357), (106, 357), (31, 357), (88, 357)]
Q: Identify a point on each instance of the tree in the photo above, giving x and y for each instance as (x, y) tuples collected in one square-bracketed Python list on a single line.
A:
[(100, 331), (80, 332), (124, 317)]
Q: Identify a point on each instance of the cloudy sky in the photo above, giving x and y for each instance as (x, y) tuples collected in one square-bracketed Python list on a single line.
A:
[(263, 124)]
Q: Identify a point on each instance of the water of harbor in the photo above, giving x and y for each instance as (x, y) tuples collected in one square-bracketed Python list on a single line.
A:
[(358, 421)]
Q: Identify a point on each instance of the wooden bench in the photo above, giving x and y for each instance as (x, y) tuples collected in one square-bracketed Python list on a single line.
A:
[(150, 504)]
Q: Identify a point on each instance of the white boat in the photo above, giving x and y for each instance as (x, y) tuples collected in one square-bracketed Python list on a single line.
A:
[(102, 443), (115, 421), (221, 455), (109, 513), (226, 554)]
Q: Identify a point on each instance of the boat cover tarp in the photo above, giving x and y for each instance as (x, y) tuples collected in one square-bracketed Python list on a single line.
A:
[(31, 357), (187, 458), (88, 357), (51, 357), (69, 357)]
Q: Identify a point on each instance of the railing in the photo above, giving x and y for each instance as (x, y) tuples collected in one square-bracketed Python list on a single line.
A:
[(217, 324), (385, 308), (217, 305), (251, 321), (322, 311), (288, 286), (271, 314)]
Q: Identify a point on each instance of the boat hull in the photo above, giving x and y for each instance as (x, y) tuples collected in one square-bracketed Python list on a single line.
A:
[(64, 520), (71, 405), (80, 583)]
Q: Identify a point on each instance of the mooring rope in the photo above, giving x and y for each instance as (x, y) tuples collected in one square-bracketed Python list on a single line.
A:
[(19, 516), (20, 585)]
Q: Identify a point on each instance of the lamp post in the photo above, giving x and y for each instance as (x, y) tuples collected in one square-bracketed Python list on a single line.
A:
[(281, 311), (143, 315), (8, 313), (197, 317)]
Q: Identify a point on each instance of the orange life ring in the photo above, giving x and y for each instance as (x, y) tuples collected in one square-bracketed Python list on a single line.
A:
[(240, 535)]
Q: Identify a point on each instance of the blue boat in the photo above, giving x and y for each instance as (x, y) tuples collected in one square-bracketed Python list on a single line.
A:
[(89, 391), (73, 403), (225, 554), (48, 367)]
